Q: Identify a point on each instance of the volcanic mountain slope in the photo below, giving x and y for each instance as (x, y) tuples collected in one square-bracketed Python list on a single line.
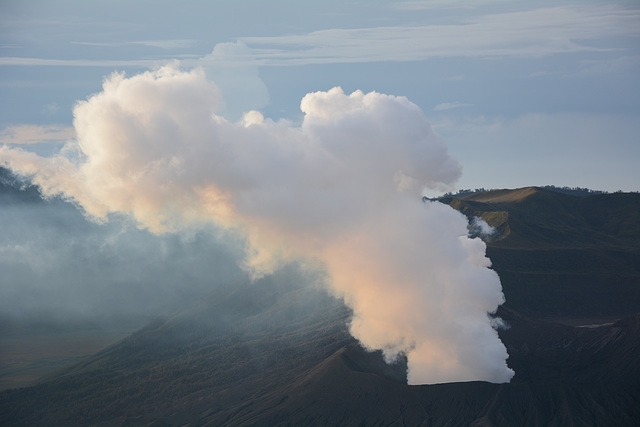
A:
[(219, 357), (276, 361), (283, 356), (565, 376), (563, 257)]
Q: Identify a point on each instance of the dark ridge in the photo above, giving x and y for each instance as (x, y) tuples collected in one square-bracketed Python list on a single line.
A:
[(573, 191), (560, 256)]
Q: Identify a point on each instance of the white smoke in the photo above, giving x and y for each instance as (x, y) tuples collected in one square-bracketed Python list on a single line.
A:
[(480, 227), (344, 187)]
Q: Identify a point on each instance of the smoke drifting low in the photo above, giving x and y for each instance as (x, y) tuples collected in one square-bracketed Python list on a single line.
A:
[(58, 269), (343, 188)]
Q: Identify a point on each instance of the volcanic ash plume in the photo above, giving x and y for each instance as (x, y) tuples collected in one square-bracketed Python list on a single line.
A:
[(343, 188)]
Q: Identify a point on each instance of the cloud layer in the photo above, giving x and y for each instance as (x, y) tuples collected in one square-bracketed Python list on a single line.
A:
[(343, 188), (534, 32), (530, 33)]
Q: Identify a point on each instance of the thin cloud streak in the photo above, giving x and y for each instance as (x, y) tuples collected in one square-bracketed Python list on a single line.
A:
[(34, 134), (163, 44), (444, 4), (534, 33), (40, 62), (450, 105)]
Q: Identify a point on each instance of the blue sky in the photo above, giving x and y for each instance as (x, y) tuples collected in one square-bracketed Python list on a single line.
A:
[(522, 92)]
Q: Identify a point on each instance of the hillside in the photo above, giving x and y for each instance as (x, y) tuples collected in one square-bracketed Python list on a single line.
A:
[(563, 257), (278, 362), (213, 357), (284, 356)]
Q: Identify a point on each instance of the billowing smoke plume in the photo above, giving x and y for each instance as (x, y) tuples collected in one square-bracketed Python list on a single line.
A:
[(343, 188)]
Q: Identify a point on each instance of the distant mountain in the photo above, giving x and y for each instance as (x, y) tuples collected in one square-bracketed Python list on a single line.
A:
[(285, 357)]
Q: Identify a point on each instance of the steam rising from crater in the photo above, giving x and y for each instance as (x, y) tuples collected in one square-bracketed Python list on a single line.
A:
[(343, 188)]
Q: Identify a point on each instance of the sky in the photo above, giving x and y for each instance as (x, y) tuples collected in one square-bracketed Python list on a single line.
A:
[(523, 93), (236, 138)]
